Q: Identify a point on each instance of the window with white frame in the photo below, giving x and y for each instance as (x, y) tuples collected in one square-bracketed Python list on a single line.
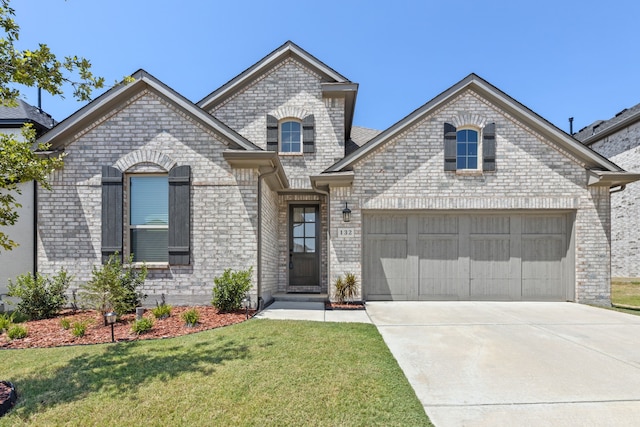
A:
[(290, 136), (149, 217), (467, 149)]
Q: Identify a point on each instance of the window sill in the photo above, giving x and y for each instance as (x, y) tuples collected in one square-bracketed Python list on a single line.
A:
[(287, 154), (152, 265), (469, 172)]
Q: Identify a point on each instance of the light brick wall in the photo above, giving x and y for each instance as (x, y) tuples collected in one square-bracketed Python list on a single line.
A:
[(224, 200), (623, 148), (289, 88), (407, 173), (270, 243)]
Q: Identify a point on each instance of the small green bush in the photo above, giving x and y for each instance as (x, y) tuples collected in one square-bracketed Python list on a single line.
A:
[(79, 328), (41, 296), (161, 311), (115, 286), (6, 320), (17, 332), (65, 323), (231, 288), (141, 326), (191, 317)]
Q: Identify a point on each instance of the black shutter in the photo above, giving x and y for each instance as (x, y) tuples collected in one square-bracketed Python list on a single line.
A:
[(489, 147), (179, 215), (308, 137), (272, 133), (111, 212), (450, 149)]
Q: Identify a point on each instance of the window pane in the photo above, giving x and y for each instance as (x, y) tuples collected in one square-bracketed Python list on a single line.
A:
[(462, 149), (310, 245), (150, 245), (310, 215), (298, 214), (290, 137), (295, 147), (461, 163), (472, 163), (472, 149), (310, 229), (298, 245), (149, 200), (298, 230), (472, 136)]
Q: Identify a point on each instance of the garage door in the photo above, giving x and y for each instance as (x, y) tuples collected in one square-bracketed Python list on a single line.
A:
[(424, 256)]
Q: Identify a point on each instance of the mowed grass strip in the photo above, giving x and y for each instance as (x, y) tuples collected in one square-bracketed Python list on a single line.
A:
[(261, 372), (625, 292)]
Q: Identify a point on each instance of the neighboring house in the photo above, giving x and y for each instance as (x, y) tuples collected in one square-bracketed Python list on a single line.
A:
[(618, 139), (21, 259), (472, 196)]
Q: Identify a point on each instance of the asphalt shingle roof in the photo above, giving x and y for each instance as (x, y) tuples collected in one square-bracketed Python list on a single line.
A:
[(24, 112)]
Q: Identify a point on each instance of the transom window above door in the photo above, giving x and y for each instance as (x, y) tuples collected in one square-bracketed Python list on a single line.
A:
[(290, 137)]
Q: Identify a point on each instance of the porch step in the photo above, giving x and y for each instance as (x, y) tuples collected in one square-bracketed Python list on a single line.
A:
[(300, 297)]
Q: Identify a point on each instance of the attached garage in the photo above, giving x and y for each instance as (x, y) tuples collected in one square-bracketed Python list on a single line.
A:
[(468, 256)]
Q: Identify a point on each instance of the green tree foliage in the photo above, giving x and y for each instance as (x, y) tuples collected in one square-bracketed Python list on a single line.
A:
[(115, 286), (39, 67)]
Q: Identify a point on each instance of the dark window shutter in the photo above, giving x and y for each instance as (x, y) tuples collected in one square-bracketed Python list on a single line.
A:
[(272, 133), (111, 212), (489, 147), (308, 134), (179, 215), (450, 150)]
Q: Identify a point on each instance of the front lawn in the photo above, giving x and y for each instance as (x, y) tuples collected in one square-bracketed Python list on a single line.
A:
[(261, 372), (625, 292)]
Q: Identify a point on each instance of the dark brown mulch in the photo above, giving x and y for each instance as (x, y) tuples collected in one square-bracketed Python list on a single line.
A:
[(344, 306), (49, 332)]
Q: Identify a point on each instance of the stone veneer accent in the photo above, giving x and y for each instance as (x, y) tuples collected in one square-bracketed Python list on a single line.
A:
[(531, 174), (623, 149)]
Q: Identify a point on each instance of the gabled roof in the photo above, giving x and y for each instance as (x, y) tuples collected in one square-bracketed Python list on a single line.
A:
[(18, 115), (602, 128), (61, 134), (489, 92), (333, 82)]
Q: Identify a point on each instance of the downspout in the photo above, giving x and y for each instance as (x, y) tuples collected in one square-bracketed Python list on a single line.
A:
[(328, 248), (618, 188), (35, 227), (261, 178)]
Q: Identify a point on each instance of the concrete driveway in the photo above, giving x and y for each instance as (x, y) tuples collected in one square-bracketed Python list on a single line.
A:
[(518, 363)]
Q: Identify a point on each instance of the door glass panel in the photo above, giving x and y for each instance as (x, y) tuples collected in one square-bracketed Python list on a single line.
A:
[(310, 245), (298, 230), (310, 215), (298, 214), (309, 230), (298, 245)]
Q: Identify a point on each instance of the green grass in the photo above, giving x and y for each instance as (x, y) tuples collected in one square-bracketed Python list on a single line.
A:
[(261, 372), (625, 292)]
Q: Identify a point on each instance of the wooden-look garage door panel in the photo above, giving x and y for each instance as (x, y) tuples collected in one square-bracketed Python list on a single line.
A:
[(470, 256)]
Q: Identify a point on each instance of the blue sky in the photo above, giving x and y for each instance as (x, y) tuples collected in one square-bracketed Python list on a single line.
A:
[(559, 58)]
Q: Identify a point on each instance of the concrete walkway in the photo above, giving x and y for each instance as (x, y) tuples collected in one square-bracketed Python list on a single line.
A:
[(516, 364), (311, 311)]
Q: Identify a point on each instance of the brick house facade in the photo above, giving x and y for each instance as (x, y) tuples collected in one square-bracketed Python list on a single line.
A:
[(261, 170)]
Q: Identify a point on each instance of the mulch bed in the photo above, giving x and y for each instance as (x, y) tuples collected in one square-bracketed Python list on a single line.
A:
[(8, 397), (344, 306), (49, 332)]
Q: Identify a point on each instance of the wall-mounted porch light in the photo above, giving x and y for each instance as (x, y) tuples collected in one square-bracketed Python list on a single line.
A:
[(346, 213)]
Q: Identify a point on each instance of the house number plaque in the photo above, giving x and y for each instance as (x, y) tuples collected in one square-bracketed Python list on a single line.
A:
[(346, 232)]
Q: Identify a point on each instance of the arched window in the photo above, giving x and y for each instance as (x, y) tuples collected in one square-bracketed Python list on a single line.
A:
[(290, 136), (467, 149)]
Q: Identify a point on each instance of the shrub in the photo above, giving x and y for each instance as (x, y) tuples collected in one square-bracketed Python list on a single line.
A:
[(65, 323), (6, 321), (231, 288), (161, 311), (17, 332), (191, 317), (347, 288), (41, 296), (79, 328), (115, 286), (142, 325)]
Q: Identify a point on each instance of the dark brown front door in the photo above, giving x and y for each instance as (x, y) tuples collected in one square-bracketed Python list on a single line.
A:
[(304, 251)]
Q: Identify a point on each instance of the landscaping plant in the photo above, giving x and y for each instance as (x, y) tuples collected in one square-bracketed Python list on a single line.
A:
[(161, 311), (65, 323), (231, 288), (6, 320), (79, 328), (41, 296), (141, 326), (347, 288), (17, 332), (115, 286), (191, 317)]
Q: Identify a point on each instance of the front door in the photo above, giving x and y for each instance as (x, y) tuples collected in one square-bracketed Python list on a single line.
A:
[(304, 250)]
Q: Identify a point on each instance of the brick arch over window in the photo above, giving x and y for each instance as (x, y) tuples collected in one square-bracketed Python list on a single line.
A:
[(145, 156), (290, 112), (469, 120)]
